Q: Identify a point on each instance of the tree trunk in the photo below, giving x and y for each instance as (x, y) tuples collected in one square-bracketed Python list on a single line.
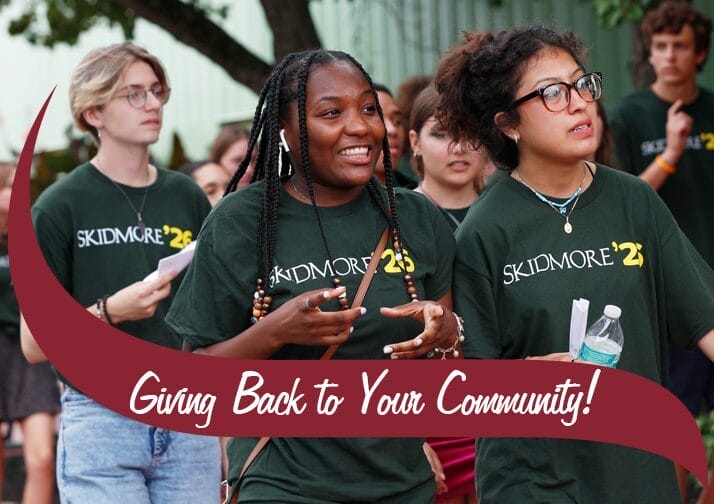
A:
[(641, 71), (293, 29)]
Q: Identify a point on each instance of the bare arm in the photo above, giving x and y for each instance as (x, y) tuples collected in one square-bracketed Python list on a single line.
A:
[(134, 302), (706, 344), (32, 351), (679, 125)]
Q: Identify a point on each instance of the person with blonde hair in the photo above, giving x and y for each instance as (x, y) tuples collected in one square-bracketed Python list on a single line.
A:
[(102, 229)]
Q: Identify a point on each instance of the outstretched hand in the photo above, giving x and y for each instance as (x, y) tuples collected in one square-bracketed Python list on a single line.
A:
[(302, 322), (440, 329)]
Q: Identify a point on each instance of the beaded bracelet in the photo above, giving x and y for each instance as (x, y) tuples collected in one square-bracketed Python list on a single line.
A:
[(105, 311), (665, 166), (459, 338)]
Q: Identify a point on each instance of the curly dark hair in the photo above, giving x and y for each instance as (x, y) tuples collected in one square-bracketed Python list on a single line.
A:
[(670, 17), (479, 78)]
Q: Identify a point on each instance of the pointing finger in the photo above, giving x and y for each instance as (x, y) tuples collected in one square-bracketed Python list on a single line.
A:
[(674, 108)]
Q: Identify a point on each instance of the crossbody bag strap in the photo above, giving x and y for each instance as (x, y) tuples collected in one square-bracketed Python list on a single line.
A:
[(364, 284), (356, 302)]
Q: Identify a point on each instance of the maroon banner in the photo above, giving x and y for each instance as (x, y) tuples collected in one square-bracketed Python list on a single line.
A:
[(217, 396)]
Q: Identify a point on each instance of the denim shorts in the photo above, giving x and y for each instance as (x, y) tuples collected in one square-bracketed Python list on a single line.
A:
[(104, 457)]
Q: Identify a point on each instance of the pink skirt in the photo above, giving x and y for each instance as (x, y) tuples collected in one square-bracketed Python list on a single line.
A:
[(457, 456)]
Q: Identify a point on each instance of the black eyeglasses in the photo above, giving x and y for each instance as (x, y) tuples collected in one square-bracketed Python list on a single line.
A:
[(137, 96), (556, 96)]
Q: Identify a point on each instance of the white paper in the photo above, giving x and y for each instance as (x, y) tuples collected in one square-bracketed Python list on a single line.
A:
[(176, 262), (578, 325)]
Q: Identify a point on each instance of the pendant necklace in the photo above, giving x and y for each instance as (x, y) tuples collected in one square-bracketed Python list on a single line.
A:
[(139, 221), (560, 208)]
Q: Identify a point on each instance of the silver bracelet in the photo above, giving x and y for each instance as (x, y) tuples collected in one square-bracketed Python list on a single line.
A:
[(452, 349)]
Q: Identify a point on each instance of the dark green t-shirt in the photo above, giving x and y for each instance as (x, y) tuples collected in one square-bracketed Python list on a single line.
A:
[(9, 312), (515, 277), (214, 302), (638, 123), (89, 236)]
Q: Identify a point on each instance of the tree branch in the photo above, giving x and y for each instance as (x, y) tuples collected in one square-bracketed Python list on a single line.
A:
[(190, 25)]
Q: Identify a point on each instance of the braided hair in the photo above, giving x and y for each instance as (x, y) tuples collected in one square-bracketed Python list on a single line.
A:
[(288, 82)]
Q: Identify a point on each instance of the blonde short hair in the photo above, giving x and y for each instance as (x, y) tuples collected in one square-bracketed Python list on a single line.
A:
[(97, 77)]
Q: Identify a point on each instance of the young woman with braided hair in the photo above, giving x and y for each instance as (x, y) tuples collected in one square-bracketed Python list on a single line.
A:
[(312, 218)]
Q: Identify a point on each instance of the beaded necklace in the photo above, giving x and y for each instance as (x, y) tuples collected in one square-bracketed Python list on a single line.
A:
[(262, 302), (560, 208)]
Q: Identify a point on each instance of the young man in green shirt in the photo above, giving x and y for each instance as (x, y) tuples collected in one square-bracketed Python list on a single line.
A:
[(665, 135)]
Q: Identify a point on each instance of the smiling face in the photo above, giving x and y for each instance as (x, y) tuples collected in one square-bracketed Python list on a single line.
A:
[(674, 57), (344, 130), (545, 137), (445, 163), (118, 121)]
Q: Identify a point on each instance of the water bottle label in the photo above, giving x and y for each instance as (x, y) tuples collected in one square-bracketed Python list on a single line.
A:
[(597, 357)]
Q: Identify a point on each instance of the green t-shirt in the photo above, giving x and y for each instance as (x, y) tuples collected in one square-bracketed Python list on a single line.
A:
[(515, 277), (9, 312), (89, 236), (214, 304), (638, 124)]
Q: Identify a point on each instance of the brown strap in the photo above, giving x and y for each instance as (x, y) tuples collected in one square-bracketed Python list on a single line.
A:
[(356, 302), (364, 284)]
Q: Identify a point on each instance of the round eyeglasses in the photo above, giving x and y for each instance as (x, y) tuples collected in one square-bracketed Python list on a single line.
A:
[(137, 96), (556, 96)]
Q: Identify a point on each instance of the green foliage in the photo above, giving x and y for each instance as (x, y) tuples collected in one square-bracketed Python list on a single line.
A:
[(706, 427), (612, 13), (48, 22)]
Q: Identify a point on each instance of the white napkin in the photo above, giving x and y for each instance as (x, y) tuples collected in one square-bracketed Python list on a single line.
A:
[(578, 325), (175, 262)]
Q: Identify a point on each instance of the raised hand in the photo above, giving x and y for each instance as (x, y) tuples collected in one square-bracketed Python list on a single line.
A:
[(679, 125)]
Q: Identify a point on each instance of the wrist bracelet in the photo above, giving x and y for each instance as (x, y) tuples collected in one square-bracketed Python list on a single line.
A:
[(98, 309), (452, 349), (105, 311), (665, 166)]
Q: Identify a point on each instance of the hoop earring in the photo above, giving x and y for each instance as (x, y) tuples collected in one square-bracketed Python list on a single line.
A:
[(283, 142)]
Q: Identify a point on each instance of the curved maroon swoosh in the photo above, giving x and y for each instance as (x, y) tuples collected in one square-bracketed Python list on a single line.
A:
[(106, 363)]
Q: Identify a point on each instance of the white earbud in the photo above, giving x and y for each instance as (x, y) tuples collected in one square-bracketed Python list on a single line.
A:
[(283, 141)]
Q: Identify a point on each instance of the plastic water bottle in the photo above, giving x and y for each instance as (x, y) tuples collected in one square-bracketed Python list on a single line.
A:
[(603, 341)]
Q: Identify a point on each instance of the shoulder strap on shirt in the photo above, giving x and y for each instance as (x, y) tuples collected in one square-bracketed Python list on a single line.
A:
[(356, 302)]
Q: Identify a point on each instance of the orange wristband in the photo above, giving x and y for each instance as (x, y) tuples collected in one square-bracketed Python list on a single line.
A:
[(665, 166)]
